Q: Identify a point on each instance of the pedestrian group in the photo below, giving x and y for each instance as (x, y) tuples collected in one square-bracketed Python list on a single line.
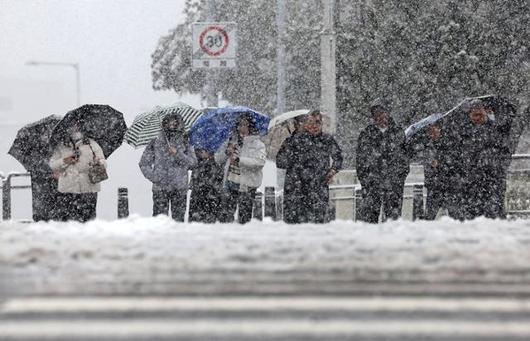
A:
[(465, 173)]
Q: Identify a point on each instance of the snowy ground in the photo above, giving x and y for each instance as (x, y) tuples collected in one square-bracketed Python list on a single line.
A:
[(158, 256), (153, 279)]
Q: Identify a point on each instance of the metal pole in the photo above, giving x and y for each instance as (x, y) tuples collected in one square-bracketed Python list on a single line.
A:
[(327, 66), (212, 98), (123, 202), (280, 57), (6, 198)]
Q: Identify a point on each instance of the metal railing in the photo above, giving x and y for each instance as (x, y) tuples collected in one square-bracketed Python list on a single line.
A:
[(270, 203), (7, 188)]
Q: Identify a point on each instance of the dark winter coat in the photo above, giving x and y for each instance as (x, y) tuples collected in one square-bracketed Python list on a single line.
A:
[(206, 184), (166, 171), (484, 151), (381, 157), (307, 160), (442, 165)]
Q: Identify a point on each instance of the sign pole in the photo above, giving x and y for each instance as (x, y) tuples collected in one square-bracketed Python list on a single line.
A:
[(212, 99), (327, 66), (280, 57)]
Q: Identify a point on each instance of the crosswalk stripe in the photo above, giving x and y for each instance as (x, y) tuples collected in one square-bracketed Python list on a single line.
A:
[(258, 328), (355, 304)]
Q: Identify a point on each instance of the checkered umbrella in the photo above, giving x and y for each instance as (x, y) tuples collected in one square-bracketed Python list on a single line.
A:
[(148, 125)]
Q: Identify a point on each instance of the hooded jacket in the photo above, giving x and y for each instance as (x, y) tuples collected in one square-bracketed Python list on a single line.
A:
[(166, 171)]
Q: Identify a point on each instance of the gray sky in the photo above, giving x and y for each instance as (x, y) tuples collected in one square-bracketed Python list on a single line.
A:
[(111, 39)]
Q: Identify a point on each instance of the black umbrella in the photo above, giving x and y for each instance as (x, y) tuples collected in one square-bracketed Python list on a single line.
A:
[(102, 123), (31, 145)]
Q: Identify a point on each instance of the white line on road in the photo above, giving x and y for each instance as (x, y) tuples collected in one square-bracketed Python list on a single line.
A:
[(148, 328), (355, 304)]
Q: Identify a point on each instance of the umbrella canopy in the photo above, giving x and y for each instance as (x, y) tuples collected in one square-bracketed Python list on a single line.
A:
[(422, 124), (214, 127), (31, 146), (102, 123), (282, 126), (504, 114), (148, 125)]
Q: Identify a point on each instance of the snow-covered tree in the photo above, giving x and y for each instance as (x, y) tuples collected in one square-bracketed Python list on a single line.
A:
[(416, 56), (253, 82)]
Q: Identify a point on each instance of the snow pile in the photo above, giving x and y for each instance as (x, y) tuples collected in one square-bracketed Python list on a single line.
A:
[(160, 250)]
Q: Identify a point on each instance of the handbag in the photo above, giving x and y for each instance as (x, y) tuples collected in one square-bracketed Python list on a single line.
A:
[(96, 171)]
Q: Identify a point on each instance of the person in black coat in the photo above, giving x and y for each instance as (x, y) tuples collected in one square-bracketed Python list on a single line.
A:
[(382, 166), (293, 208), (206, 182), (311, 159), (441, 166), (484, 149)]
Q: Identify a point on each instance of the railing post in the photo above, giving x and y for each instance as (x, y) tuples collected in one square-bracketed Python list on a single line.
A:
[(270, 202), (6, 198), (417, 202), (357, 203), (258, 206), (123, 202)]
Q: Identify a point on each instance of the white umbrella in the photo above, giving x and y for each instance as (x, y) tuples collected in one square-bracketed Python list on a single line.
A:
[(148, 125), (282, 126)]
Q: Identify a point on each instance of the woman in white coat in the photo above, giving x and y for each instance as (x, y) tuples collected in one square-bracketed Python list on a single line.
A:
[(243, 157), (70, 163)]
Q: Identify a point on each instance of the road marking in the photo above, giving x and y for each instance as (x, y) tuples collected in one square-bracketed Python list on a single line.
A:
[(265, 304), (258, 328)]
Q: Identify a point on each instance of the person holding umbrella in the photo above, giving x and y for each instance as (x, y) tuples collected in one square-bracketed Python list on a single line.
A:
[(165, 162), (440, 167), (31, 148), (311, 159), (293, 203), (382, 166), (484, 150), (71, 163), (243, 156)]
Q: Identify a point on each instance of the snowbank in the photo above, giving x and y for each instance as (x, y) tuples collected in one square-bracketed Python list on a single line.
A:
[(158, 249)]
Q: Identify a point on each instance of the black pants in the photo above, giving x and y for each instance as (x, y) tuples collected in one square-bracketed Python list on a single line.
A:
[(231, 200), (163, 199), (44, 198), (374, 197), (77, 206), (307, 206), (204, 205), (485, 197)]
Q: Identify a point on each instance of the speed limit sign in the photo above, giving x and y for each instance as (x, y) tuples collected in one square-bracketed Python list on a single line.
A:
[(214, 45)]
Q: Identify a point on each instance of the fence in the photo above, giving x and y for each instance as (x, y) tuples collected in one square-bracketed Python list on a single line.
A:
[(270, 203)]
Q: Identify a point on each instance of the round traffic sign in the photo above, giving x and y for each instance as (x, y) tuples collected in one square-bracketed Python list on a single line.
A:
[(214, 41)]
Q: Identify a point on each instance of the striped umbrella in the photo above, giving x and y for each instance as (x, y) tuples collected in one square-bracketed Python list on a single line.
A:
[(148, 125)]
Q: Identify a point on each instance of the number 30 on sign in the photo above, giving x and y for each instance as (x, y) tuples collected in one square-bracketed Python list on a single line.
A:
[(214, 45)]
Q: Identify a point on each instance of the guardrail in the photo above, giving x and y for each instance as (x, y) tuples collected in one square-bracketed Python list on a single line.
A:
[(7, 188), (270, 203)]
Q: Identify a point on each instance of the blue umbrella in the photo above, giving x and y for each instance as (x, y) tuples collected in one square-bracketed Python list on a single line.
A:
[(214, 127)]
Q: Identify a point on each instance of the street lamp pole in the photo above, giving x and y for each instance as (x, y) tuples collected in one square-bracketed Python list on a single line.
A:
[(73, 65)]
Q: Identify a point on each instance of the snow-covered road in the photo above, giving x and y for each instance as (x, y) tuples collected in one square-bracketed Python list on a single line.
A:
[(156, 255), (153, 279)]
